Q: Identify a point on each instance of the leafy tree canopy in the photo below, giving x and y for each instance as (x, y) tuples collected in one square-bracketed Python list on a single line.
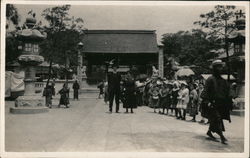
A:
[(11, 44), (12, 14), (63, 35), (189, 48)]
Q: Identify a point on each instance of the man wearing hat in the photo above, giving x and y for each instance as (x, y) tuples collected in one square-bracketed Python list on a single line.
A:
[(216, 97), (114, 79)]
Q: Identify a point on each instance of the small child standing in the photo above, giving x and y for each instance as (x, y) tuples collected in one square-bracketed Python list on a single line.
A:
[(48, 92), (154, 91)]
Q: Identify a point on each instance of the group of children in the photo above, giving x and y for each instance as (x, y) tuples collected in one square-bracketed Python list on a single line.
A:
[(178, 96), (49, 92)]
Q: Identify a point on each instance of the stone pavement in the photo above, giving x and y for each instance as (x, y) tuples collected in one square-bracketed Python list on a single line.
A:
[(87, 126)]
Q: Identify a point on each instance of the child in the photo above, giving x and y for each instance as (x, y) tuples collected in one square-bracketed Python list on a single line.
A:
[(183, 100), (64, 99), (48, 92), (101, 87), (193, 101), (154, 91)]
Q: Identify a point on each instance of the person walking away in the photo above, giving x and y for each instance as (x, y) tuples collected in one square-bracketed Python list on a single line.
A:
[(183, 99), (216, 96), (130, 93), (114, 80), (48, 92), (101, 87), (64, 99), (76, 88), (193, 102), (175, 91)]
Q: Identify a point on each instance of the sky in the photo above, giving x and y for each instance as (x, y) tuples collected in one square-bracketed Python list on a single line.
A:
[(163, 19)]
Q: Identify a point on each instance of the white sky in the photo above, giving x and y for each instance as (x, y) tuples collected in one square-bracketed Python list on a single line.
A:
[(163, 19)]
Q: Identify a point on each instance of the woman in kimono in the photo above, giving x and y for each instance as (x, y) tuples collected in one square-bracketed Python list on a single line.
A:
[(193, 101), (130, 93), (175, 91), (154, 92), (64, 99), (165, 97)]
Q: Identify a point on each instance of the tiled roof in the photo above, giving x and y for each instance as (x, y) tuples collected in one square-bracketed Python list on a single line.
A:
[(120, 41)]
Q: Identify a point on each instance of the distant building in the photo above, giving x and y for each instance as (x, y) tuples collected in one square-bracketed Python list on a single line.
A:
[(128, 48)]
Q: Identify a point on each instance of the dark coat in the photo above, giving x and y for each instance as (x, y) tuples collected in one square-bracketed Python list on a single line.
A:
[(114, 81), (76, 86), (165, 98), (174, 97), (129, 93), (48, 92), (64, 99), (216, 92)]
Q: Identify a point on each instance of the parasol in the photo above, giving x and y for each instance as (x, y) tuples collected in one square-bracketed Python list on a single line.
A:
[(184, 72)]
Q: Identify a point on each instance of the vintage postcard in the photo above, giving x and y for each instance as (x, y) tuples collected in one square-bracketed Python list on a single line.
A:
[(124, 79)]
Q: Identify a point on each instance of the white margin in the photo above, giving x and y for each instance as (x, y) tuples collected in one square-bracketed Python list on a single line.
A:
[(123, 154)]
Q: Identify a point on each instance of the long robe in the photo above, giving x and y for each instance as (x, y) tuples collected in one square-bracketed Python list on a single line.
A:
[(193, 103), (130, 97), (216, 92), (64, 99)]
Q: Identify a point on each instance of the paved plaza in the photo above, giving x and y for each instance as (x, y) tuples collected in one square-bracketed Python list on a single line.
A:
[(87, 126)]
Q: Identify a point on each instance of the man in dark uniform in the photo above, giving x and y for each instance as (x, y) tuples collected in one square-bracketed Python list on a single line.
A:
[(114, 80), (216, 97), (76, 88)]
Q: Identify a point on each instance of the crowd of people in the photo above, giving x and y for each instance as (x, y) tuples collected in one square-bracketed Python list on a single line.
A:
[(178, 98), (168, 97), (175, 97)]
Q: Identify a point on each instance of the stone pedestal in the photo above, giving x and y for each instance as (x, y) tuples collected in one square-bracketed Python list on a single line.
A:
[(29, 105)]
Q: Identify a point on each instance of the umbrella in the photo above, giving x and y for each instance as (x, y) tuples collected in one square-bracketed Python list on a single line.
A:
[(184, 72)]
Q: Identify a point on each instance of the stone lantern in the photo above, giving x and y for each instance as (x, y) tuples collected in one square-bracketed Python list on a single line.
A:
[(30, 37), (237, 60)]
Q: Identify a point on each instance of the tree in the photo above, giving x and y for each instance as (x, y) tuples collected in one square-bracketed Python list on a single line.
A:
[(63, 34), (12, 14), (188, 48), (11, 44), (219, 22)]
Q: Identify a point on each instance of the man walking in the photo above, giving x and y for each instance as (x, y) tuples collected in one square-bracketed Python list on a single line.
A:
[(114, 80), (216, 97), (76, 88)]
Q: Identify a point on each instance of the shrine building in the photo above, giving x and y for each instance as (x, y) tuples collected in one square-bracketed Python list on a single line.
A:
[(130, 49)]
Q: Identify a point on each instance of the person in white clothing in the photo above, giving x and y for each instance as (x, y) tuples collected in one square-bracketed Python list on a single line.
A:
[(183, 100)]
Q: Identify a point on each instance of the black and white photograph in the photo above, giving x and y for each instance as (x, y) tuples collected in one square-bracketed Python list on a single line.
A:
[(124, 79)]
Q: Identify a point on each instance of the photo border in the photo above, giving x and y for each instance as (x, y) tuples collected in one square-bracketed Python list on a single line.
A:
[(123, 154)]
